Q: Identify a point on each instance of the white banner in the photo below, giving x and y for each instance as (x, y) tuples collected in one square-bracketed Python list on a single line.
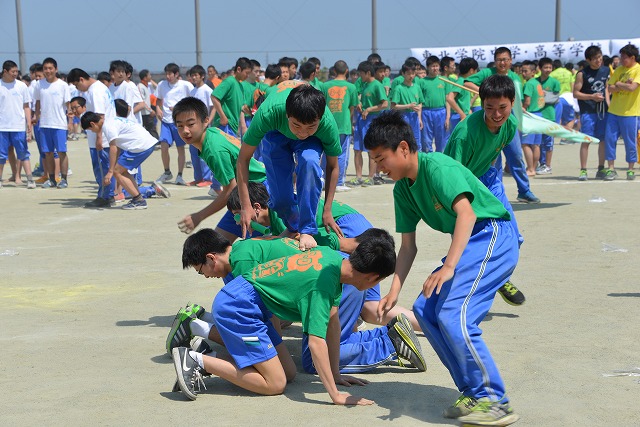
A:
[(572, 51), (619, 43)]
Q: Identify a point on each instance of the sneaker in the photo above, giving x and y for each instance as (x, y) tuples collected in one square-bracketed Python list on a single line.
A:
[(366, 182), (213, 193), (69, 172), (601, 174), (203, 184), (583, 175), (119, 198), (405, 342), (179, 180), (133, 205), (199, 345), (188, 164), (361, 325), (355, 182), (63, 183), (631, 175), (98, 202), (42, 179), (161, 190), (488, 413), (461, 407), (188, 371), (37, 173), (342, 188), (165, 177), (180, 333), (511, 295), (610, 175), (31, 184), (543, 170), (49, 184), (378, 180), (528, 197)]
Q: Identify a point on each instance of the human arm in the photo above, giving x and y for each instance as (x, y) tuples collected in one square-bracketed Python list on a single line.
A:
[(37, 112), (247, 213), (159, 104), (139, 106), (404, 260), (526, 101), (447, 119), (331, 179), (465, 220), (380, 107), (212, 112), (27, 116), (190, 222), (628, 86), (451, 101), (113, 157), (242, 125), (218, 107)]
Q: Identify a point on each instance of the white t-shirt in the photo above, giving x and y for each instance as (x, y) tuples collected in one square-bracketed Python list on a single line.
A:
[(32, 90), (100, 101), (13, 96), (53, 99), (203, 93), (145, 93), (137, 98), (170, 96), (128, 135), (125, 92)]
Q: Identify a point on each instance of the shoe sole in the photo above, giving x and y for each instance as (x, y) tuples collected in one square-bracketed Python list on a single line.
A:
[(404, 328), (161, 190), (508, 301), (135, 208), (528, 201), (177, 364), (502, 422)]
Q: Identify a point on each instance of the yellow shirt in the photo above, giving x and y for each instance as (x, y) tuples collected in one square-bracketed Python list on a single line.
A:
[(625, 103)]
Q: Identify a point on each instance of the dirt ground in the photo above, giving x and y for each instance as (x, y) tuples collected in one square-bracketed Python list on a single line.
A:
[(86, 305)]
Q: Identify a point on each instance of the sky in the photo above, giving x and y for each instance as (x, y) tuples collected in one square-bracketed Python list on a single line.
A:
[(88, 35)]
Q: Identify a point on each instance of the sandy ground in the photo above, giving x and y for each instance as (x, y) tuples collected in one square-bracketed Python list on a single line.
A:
[(86, 305)]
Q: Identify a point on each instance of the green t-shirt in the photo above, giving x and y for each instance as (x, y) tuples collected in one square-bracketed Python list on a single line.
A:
[(341, 96), (220, 152), (231, 96), (433, 92), (272, 115), (565, 77), (316, 83), (533, 90), (248, 91), (463, 97), (398, 81), (479, 77), (301, 287), (472, 144), (549, 86), (440, 180), (248, 253), (386, 82), (373, 94), (403, 94), (359, 85)]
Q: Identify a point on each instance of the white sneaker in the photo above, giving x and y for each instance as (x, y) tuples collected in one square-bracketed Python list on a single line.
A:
[(31, 184), (161, 190), (213, 193), (179, 180), (342, 188), (166, 176), (69, 172)]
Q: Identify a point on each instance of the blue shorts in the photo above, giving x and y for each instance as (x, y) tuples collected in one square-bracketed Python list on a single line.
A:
[(532, 138), (130, 160), (169, 134), (568, 113), (592, 125), (243, 322), (17, 140), (362, 128), (52, 140)]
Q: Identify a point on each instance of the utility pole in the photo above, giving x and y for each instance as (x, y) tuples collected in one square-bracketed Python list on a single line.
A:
[(374, 27), (558, 7), (21, 55), (198, 47)]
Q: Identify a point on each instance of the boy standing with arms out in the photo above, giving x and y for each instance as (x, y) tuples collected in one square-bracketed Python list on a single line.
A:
[(228, 99), (52, 102), (169, 92), (15, 120), (551, 89), (624, 111), (373, 100), (436, 113), (590, 89), (342, 98), (305, 287), (483, 254), (407, 98), (533, 102), (293, 122)]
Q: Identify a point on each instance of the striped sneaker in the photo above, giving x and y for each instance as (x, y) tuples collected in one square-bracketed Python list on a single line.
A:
[(461, 407), (488, 413), (405, 342), (180, 333)]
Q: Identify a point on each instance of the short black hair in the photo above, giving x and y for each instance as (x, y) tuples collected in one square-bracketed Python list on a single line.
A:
[(190, 104), (629, 50), (497, 86), (122, 108), (528, 63), (374, 57), (388, 130), (88, 118), (8, 65), (198, 69), (366, 67), (305, 104), (272, 71), (36, 66), (118, 65), (75, 74), (255, 63), (172, 68), (405, 68), (557, 64), (501, 50), (315, 61), (49, 60), (432, 60), (445, 61), (375, 253), (412, 60), (79, 99), (257, 194), (104, 75), (592, 52), (198, 245), (307, 69), (468, 64), (341, 67), (243, 63), (544, 61), (143, 74)]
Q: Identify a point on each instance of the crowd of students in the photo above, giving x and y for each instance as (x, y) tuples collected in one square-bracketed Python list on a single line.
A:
[(268, 143)]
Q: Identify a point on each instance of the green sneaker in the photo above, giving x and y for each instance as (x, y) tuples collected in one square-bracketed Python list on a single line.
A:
[(461, 407), (488, 413), (610, 175), (355, 182), (180, 333), (405, 342), (601, 173), (366, 182), (583, 175), (510, 294), (631, 175)]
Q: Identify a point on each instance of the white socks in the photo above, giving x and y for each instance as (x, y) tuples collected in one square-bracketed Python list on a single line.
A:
[(200, 328)]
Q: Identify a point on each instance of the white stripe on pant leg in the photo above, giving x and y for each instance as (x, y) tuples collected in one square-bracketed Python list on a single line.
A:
[(463, 313)]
